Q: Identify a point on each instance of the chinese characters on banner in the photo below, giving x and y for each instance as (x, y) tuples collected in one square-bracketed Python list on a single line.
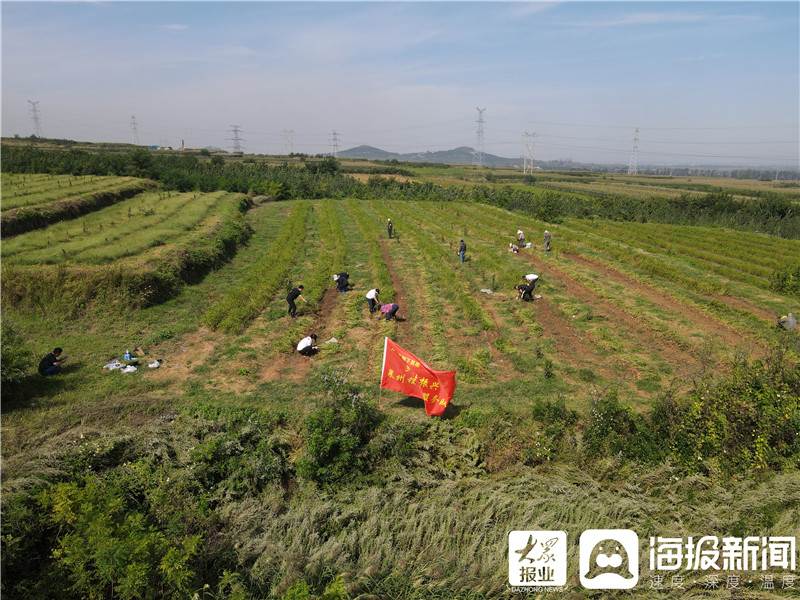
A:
[(405, 373)]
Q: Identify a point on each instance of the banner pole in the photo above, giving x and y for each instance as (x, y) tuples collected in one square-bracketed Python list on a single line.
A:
[(383, 366)]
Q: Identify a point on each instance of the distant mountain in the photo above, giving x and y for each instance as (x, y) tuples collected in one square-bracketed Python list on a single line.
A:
[(463, 155)]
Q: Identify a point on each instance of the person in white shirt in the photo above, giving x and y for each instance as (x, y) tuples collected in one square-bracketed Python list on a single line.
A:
[(526, 290), (372, 298), (306, 346)]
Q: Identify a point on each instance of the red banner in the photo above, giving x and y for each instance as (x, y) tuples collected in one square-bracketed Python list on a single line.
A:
[(405, 373)]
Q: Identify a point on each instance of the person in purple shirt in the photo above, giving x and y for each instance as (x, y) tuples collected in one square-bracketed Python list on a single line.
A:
[(390, 310)]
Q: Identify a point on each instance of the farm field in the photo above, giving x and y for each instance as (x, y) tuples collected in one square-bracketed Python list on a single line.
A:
[(27, 190), (245, 467)]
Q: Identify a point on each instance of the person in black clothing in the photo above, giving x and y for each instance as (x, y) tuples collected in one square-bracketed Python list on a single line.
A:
[(342, 282), (293, 295), (389, 228), (51, 364), (527, 290), (462, 250)]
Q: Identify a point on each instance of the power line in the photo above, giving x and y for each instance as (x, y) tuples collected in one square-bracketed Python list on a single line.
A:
[(334, 144), (36, 123), (134, 130), (633, 165), (236, 139), (527, 152), (288, 140), (477, 158)]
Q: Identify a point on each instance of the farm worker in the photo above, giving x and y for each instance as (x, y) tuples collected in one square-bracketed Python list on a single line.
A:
[(342, 283), (51, 364), (292, 296), (462, 249), (521, 238), (389, 228), (526, 290), (336, 277), (372, 298), (390, 310), (788, 322), (546, 241), (513, 248), (306, 346)]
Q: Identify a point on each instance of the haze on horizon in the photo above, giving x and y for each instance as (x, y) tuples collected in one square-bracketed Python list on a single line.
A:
[(705, 82)]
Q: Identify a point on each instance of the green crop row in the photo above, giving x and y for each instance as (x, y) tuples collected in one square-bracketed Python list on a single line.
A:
[(651, 264), (18, 194), (692, 258), (110, 234), (21, 220), (441, 262), (269, 276), (330, 259), (664, 240), (369, 232)]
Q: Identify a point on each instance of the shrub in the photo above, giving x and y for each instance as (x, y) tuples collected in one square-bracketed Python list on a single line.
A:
[(106, 545), (15, 356), (337, 433), (786, 281)]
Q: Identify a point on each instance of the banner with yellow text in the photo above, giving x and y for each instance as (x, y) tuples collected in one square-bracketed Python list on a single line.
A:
[(405, 373)]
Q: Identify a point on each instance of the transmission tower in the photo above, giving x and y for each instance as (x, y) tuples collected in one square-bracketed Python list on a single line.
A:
[(334, 144), (288, 141), (35, 110), (134, 130), (633, 166), (477, 158), (529, 139), (236, 139)]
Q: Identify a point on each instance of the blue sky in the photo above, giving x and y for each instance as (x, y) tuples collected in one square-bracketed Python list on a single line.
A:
[(705, 82)]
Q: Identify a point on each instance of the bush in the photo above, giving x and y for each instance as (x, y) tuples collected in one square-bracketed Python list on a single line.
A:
[(337, 433), (15, 356), (107, 547), (786, 281)]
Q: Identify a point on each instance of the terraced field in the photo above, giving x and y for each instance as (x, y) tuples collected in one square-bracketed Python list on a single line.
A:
[(207, 451), (37, 189)]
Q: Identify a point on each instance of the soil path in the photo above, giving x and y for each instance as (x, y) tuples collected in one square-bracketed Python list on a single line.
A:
[(576, 347)]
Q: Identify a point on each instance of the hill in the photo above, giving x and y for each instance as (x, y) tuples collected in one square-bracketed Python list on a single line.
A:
[(462, 155)]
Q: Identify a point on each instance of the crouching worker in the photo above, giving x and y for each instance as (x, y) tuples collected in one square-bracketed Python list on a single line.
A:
[(51, 364), (788, 322), (390, 310), (372, 298), (513, 248), (306, 346), (342, 281), (526, 290)]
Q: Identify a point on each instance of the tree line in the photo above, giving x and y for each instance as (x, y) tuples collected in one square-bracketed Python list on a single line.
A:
[(771, 213)]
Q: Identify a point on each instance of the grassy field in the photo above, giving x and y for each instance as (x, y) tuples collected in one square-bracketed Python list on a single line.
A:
[(239, 469)]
